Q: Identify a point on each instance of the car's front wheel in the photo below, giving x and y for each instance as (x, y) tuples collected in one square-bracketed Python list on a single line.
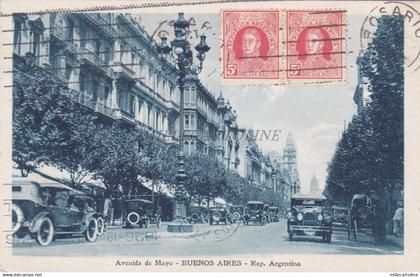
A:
[(101, 225), (91, 232), (45, 233)]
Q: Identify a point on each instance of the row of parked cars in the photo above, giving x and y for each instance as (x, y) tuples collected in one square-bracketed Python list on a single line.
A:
[(255, 212)]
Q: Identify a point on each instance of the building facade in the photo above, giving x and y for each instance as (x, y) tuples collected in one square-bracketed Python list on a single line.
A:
[(289, 162), (110, 65), (362, 93), (314, 185)]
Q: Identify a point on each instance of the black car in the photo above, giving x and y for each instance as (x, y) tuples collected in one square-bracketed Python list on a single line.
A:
[(255, 213), (308, 216), (47, 211), (197, 214), (274, 214), (238, 213), (218, 215), (139, 213)]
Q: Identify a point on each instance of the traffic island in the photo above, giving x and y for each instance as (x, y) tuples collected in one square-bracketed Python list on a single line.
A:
[(180, 228)]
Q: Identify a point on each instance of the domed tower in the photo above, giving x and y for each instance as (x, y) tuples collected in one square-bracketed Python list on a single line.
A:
[(290, 164), (314, 186)]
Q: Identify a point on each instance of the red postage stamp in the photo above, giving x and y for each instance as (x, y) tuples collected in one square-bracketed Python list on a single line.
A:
[(314, 45), (251, 44)]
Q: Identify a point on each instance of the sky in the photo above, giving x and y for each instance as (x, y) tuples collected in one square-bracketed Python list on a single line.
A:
[(314, 114)]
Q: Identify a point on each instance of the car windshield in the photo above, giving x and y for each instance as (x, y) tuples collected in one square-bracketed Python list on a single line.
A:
[(255, 206), (237, 209), (307, 202)]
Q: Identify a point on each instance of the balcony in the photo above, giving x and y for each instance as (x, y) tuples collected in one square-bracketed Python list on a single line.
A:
[(125, 116), (93, 60), (171, 106), (122, 71), (101, 23), (96, 106)]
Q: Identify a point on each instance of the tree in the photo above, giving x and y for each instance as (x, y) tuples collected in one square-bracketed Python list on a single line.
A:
[(369, 155), (119, 159)]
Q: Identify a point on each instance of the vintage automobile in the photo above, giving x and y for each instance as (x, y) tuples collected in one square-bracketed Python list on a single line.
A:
[(47, 211), (197, 214), (362, 215), (140, 213), (274, 213), (238, 213), (309, 216), (267, 213), (84, 201), (218, 215), (255, 213)]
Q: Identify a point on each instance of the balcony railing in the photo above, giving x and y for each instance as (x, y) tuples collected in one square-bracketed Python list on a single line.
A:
[(95, 60), (102, 23), (88, 102)]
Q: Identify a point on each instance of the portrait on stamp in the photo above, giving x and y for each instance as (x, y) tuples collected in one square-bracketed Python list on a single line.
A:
[(250, 48), (314, 45)]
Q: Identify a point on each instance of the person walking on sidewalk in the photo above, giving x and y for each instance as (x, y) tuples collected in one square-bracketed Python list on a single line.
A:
[(398, 220)]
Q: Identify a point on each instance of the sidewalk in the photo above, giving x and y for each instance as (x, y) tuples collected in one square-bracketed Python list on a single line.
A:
[(398, 242)]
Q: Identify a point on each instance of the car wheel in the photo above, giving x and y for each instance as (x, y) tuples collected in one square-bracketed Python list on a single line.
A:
[(17, 218), (45, 233), (101, 225), (133, 218), (290, 236), (91, 232)]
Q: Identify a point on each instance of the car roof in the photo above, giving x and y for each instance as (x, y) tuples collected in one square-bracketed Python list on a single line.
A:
[(255, 202), (273, 207), (312, 196), (139, 200), (44, 184)]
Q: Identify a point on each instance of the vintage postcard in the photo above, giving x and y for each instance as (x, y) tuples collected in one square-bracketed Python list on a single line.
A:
[(209, 136)]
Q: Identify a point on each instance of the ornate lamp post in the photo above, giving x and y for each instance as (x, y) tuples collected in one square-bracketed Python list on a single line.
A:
[(180, 47)]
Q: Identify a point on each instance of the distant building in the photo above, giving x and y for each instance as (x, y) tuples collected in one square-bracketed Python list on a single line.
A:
[(362, 93), (314, 185), (290, 165)]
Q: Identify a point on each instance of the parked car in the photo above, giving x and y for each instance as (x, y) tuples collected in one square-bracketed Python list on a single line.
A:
[(139, 213), (255, 213), (84, 201), (218, 215), (274, 213), (197, 214), (308, 216), (238, 213), (267, 213), (48, 210)]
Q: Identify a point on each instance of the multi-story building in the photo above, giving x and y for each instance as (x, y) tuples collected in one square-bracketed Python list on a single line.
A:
[(290, 165), (362, 93), (314, 185), (110, 65)]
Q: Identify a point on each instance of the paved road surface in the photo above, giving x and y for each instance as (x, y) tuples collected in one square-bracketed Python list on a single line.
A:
[(241, 240)]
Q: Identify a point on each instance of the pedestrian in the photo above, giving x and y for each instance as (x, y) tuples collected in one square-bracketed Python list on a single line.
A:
[(398, 220)]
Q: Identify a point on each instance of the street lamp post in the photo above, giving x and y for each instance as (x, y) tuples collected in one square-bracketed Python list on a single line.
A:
[(180, 47)]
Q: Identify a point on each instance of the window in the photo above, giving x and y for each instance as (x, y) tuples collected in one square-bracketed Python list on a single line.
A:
[(107, 96), (35, 40), (95, 87), (68, 72), (132, 107), (186, 95), (97, 47), (83, 81), (187, 121), (70, 30)]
